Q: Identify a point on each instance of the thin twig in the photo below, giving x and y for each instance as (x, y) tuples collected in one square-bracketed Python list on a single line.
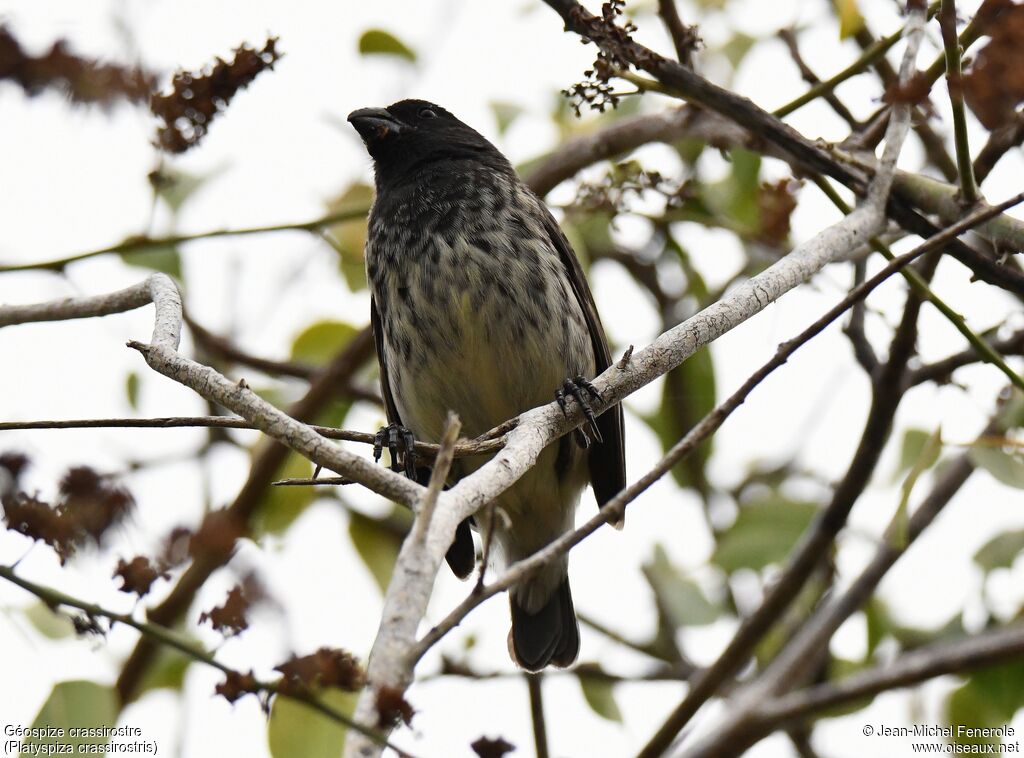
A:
[(984, 649), (788, 36), (462, 449), (795, 662), (684, 38), (227, 350), (540, 732), (954, 81), (143, 243), (54, 598), (921, 287), (815, 541), (438, 476), (1000, 141), (941, 370)]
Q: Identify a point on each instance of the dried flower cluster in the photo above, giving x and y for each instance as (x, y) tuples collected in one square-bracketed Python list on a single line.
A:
[(327, 667), (994, 86), (88, 506), (595, 91), (83, 80), (196, 98)]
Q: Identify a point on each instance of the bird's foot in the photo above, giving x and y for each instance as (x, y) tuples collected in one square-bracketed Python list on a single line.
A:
[(579, 389), (397, 439)]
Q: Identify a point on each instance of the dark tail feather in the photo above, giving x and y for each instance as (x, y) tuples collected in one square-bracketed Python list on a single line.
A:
[(461, 556), (550, 636)]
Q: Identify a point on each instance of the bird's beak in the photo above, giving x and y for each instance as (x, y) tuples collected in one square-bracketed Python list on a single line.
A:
[(375, 123)]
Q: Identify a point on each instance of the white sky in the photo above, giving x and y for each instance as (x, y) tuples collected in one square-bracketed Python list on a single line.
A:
[(74, 179)]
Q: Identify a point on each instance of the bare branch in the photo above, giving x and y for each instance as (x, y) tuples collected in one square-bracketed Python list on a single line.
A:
[(540, 731), (942, 370), (954, 80), (984, 649), (168, 637), (793, 665), (818, 88), (144, 243), (462, 449), (808, 552), (684, 38)]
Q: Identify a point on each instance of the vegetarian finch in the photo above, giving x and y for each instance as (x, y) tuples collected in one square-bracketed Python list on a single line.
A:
[(479, 306)]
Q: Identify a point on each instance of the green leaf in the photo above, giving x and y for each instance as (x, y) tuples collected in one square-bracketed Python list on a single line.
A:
[(167, 671), (734, 200), (837, 670), (1001, 551), (320, 342), (881, 624), (926, 458), (53, 625), (850, 19), (280, 506), (1012, 414), (164, 259), (505, 113), (989, 698), (911, 637), (678, 598), (876, 617), (764, 533), (1007, 468), (377, 545), (737, 47), (176, 187), (588, 232), (689, 149), (295, 729), (380, 42), (348, 238), (687, 396), (913, 443), (600, 696), (131, 387), (75, 704)]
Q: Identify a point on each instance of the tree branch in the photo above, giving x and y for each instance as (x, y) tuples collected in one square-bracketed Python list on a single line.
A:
[(168, 637), (815, 541), (984, 649), (684, 38), (954, 81), (144, 243), (794, 663), (540, 731), (461, 450)]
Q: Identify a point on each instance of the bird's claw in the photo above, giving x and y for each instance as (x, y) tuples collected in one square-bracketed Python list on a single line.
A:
[(397, 439), (579, 388)]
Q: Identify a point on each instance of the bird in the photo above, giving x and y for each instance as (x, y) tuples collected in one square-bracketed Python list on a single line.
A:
[(480, 306)]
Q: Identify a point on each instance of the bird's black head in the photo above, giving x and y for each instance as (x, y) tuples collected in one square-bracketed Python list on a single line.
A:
[(412, 134)]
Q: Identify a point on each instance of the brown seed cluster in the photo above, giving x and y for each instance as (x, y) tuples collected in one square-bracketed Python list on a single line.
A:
[(88, 505), (327, 667), (197, 97), (994, 85), (82, 80)]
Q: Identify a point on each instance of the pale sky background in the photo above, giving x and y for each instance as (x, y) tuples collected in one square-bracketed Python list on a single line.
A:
[(72, 179)]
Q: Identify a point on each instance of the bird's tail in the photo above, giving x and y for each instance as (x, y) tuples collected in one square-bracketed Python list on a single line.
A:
[(549, 636)]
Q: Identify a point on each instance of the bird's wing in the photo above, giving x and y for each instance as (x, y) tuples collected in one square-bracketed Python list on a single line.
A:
[(607, 461), (385, 387)]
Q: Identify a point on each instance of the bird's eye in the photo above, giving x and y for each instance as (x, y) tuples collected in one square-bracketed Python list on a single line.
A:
[(427, 113)]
